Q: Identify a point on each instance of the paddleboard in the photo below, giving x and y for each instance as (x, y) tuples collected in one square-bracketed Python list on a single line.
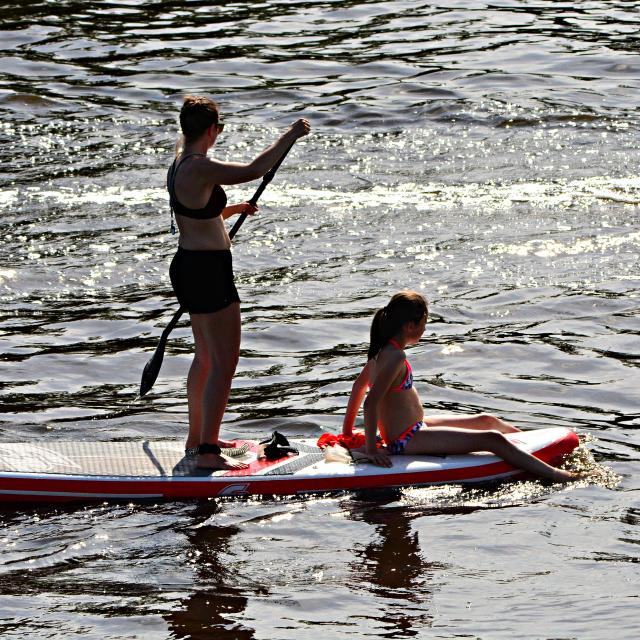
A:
[(150, 470)]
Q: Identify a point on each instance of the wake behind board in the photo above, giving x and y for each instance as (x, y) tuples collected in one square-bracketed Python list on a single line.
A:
[(98, 471)]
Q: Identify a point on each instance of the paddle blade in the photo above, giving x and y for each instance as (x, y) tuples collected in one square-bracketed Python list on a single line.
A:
[(152, 369)]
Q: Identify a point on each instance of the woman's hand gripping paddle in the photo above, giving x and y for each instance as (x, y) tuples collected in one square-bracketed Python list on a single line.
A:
[(152, 368)]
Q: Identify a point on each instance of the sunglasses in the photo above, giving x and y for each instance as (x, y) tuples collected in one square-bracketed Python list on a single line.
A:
[(220, 127)]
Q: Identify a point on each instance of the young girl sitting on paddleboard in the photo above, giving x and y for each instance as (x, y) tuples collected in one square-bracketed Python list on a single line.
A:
[(392, 405)]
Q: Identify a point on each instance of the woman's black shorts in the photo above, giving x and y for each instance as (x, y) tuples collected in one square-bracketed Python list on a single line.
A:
[(203, 280)]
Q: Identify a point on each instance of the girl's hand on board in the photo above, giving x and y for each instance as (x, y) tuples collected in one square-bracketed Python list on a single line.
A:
[(380, 458)]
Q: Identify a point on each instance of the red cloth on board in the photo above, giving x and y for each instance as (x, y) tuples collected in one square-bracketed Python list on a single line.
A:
[(354, 441)]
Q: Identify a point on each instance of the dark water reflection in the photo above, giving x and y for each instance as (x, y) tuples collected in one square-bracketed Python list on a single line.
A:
[(216, 605), (394, 569), (389, 566), (485, 155)]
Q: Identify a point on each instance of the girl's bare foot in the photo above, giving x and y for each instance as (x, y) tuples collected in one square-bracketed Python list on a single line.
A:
[(218, 462), (569, 476)]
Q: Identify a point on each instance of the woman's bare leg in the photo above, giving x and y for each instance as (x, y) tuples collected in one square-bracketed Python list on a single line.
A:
[(196, 380), (217, 337), (452, 441), (481, 421)]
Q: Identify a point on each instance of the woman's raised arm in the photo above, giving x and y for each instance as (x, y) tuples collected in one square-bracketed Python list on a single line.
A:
[(237, 172)]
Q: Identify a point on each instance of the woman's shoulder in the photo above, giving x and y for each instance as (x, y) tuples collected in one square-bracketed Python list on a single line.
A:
[(194, 170), (212, 171)]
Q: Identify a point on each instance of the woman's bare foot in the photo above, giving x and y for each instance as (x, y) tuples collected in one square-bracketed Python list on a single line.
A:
[(218, 462), (190, 447)]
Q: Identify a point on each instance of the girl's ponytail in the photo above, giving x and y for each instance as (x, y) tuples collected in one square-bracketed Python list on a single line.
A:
[(406, 306), (377, 340)]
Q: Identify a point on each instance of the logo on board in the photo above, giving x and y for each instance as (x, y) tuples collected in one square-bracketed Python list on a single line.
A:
[(237, 489)]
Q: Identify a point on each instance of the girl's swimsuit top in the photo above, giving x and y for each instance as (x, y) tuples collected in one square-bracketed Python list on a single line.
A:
[(217, 201), (407, 381)]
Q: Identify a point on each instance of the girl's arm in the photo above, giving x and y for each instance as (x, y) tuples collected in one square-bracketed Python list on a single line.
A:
[(358, 392), (384, 380), (236, 172)]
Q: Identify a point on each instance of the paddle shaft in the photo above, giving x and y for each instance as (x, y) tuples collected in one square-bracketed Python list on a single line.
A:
[(268, 177)]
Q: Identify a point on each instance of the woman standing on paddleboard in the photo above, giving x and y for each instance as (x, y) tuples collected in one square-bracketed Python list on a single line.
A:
[(393, 407), (201, 271)]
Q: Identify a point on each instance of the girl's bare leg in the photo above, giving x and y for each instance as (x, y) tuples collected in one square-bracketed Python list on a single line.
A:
[(453, 441), (481, 421), (217, 337)]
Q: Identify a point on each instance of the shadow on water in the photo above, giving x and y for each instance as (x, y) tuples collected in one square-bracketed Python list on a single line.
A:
[(391, 568)]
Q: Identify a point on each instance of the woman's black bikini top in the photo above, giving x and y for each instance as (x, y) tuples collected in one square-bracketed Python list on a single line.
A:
[(217, 201)]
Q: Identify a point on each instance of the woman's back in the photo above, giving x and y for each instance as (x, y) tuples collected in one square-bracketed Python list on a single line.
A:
[(198, 204)]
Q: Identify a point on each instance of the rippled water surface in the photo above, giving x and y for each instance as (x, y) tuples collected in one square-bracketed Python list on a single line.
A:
[(484, 154)]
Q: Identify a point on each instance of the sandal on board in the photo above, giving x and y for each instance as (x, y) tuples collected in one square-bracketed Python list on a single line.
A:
[(277, 446)]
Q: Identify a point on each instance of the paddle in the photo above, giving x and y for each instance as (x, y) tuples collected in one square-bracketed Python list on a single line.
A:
[(152, 368)]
